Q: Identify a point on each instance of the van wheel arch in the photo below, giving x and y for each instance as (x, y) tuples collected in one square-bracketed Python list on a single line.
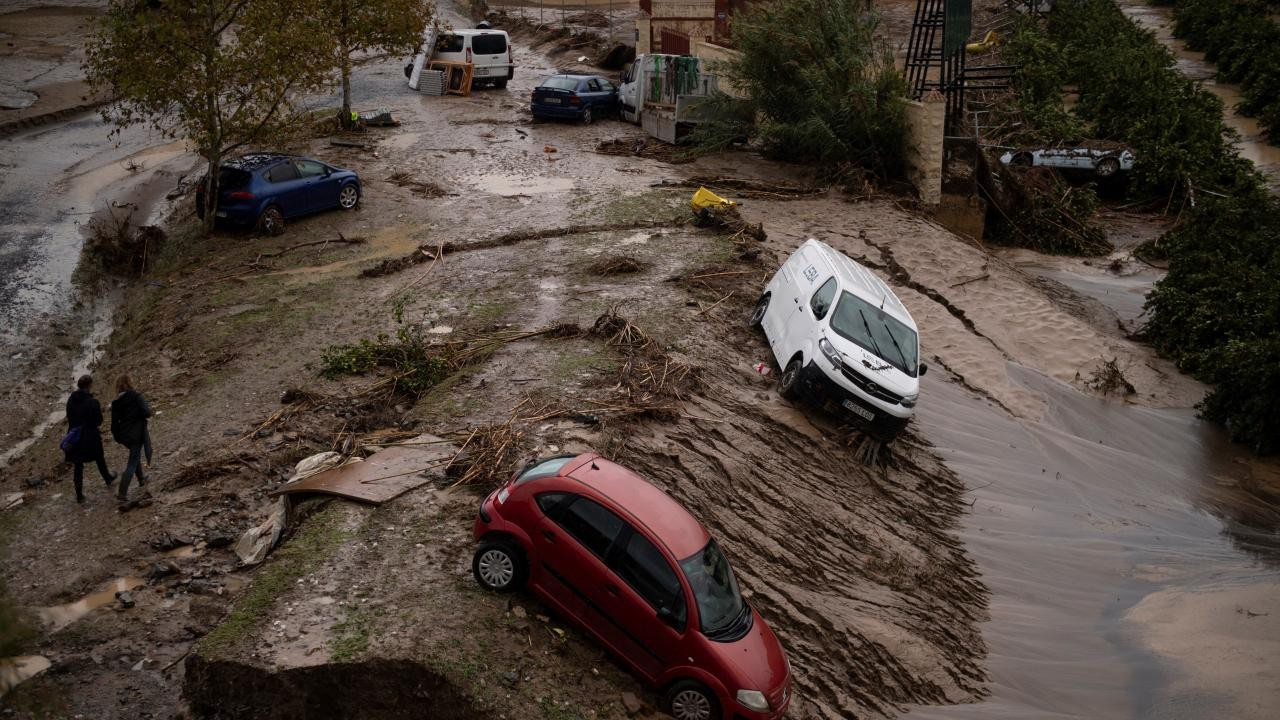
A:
[(756, 321)]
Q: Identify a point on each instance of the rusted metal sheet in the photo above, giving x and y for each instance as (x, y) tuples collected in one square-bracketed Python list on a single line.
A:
[(383, 476)]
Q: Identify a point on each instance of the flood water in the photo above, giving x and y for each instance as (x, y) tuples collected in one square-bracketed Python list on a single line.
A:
[(1159, 20), (1133, 560)]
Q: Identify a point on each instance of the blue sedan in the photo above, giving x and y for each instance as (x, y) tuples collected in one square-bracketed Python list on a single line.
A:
[(264, 189), (574, 97)]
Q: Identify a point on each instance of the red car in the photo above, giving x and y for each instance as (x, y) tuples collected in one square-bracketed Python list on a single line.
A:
[(633, 568)]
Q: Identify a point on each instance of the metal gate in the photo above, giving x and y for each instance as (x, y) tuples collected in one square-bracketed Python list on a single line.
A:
[(675, 42)]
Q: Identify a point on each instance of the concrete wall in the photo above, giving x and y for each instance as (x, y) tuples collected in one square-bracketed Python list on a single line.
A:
[(926, 122), (710, 52)]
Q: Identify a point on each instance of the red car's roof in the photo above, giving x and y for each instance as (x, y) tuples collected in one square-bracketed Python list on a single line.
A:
[(646, 503)]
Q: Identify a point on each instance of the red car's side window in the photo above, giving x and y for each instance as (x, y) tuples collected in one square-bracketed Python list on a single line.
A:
[(643, 567), (586, 520)]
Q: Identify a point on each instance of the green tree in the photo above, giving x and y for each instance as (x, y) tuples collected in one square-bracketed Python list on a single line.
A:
[(378, 25), (822, 88), (219, 73)]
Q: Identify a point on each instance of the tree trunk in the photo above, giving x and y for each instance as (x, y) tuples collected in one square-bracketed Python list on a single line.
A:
[(211, 192), (346, 90), (344, 47)]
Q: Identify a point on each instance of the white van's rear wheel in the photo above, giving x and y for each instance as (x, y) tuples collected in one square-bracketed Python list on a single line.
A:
[(757, 315)]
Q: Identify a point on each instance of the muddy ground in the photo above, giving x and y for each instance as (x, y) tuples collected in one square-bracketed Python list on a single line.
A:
[(866, 573)]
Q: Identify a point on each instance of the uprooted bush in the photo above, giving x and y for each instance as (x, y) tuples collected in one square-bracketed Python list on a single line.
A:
[(825, 91), (1034, 208), (118, 246), (409, 355)]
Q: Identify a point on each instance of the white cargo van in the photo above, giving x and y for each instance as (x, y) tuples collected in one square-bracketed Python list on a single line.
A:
[(842, 338), (488, 51)]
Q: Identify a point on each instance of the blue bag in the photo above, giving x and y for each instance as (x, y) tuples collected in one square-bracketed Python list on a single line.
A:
[(70, 440)]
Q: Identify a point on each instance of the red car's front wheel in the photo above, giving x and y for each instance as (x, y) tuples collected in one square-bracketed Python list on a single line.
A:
[(499, 566)]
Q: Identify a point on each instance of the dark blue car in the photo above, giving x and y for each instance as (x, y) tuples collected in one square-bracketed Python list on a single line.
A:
[(574, 97), (264, 189)]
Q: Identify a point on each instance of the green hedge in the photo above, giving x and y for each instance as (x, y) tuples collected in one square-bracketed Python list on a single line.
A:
[(1131, 92), (1217, 311), (1244, 42)]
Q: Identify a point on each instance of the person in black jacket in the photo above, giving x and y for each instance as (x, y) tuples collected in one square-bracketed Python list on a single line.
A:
[(129, 413), (84, 412)]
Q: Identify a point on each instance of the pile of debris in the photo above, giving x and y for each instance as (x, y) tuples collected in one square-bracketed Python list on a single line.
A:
[(645, 147)]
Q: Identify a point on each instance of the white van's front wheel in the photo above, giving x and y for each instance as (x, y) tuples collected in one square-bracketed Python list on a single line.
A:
[(789, 383)]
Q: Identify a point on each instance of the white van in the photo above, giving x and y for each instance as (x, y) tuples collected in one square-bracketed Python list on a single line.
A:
[(842, 338), (488, 51)]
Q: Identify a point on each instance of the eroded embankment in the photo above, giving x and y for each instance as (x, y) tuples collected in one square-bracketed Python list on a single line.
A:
[(371, 690)]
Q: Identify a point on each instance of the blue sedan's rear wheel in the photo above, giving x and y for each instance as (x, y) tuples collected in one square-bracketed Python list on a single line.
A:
[(586, 116), (349, 197), (271, 221)]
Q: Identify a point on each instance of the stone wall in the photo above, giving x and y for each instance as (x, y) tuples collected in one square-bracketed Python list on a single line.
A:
[(926, 122)]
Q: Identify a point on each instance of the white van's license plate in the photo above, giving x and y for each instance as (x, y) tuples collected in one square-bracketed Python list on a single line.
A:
[(858, 410), (482, 71)]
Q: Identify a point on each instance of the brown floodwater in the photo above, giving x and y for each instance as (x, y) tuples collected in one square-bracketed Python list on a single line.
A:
[(1107, 532)]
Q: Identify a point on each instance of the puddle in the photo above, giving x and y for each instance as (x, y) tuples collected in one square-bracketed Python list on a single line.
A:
[(183, 551), (1253, 146), (59, 616), (17, 670), (511, 185)]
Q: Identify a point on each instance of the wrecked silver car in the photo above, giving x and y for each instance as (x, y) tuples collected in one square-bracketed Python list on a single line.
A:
[(1103, 161)]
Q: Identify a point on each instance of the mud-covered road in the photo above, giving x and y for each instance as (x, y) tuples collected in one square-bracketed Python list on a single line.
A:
[(1034, 549)]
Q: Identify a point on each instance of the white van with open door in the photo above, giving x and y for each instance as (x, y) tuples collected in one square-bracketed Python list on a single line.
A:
[(488, 51), (842, 339)]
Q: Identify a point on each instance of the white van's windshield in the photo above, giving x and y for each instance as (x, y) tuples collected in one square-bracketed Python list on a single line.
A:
[(871, 328)]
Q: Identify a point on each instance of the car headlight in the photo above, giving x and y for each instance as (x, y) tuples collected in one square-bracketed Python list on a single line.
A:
[(753, 700), (909, 401), (831, 353)]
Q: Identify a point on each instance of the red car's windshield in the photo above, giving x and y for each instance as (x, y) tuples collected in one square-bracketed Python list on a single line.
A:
[(720, 604)]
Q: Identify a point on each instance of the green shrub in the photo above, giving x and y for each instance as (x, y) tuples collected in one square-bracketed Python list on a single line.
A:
[(1244, 41), (1130, 91), (1217, 312), (824, 91)]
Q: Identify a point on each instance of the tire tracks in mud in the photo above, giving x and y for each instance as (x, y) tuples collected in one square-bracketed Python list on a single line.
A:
[(856, 568)]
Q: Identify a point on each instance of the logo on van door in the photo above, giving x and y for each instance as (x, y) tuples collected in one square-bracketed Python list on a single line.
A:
[(811, 273)]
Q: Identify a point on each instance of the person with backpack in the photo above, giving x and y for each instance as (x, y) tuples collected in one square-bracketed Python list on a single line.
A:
[(129, 413), (83, 441)]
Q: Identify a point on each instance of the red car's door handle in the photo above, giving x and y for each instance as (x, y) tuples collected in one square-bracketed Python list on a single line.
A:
[(550, 536)]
